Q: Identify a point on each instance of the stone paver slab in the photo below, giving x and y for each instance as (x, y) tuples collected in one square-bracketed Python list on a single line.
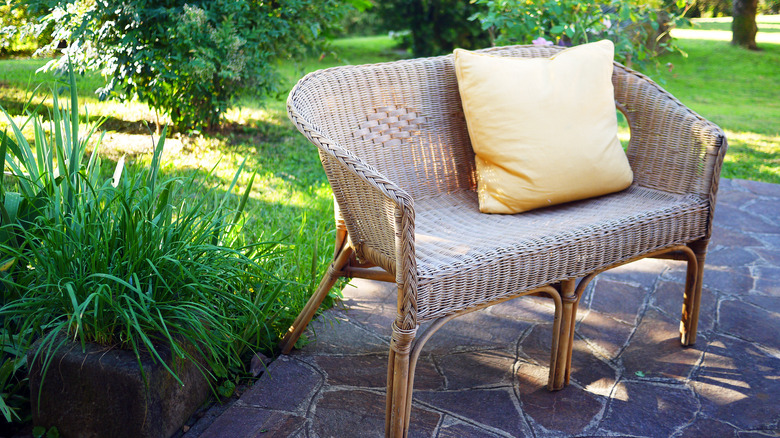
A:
[(655, 350), (621, 301), (359, 413), (329, 333), (461, 430), (291, 382), (639, 408), (477, 369), (751, 322), (722, 236), (249, 422), (605, 333), (568, 411), (735, 218), (726, 257), (371, 372), (668, 298), (738, 383), (705, 427), (494, 408), (529, 308), (768, 280), (758, 187), (476, 330)]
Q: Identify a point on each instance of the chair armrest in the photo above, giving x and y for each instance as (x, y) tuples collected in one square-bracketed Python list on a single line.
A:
[(672, 148), (378, 214)]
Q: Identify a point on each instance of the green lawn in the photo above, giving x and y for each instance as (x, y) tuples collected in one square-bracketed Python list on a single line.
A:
[(735, 88), (291, 200)]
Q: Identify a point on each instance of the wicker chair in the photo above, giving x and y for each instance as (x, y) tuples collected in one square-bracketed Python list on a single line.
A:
[(393, 141)]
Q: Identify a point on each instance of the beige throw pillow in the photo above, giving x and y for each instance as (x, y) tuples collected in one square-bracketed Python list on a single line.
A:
[(544, 130)]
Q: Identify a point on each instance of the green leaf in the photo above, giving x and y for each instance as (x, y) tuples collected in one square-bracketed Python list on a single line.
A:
[(625, 14), (154, 168), (162, 203), (361, 5), (75, 155), (120, 166), (227, 388)]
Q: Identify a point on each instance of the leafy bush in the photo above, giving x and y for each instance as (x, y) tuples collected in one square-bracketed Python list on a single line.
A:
[(126, 261), (189, 59), (638, 30), (436, 26)]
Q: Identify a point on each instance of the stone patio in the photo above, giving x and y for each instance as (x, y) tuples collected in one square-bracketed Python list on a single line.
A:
[(484, 375)]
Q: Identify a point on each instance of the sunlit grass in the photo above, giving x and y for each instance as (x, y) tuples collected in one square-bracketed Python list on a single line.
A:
[(752, 154), (737, 89), (719, 29)]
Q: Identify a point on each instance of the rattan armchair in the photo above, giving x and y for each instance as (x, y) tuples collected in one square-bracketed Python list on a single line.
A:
[(393, 142)]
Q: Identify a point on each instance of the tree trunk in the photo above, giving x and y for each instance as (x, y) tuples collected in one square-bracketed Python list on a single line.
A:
[(743, 26)]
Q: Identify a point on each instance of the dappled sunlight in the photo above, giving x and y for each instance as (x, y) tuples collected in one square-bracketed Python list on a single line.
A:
[(601, 387), (723, 382), (134, 111), (719, 29), (249, 113), (723, 390), (620, 392), (762, 141), (723, 35), (744, 144)]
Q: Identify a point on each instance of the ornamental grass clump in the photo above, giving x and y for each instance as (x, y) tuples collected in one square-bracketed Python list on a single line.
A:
[(128, 261)]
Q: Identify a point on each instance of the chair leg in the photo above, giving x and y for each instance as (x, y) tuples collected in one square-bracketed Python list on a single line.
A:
[(566, 338), (692, 298), (399, 383), (302, 321)]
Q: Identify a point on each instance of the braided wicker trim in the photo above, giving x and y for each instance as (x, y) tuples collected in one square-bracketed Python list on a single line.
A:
[(402, 339)]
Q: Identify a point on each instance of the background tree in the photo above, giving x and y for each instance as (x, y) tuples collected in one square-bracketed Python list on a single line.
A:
[(189, 59), (436, 26), (743, 25)]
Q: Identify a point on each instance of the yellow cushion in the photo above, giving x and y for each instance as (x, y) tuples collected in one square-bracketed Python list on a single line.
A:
[(544, 130)]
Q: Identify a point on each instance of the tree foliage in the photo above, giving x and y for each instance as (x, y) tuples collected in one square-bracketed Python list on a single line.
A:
[(189, 59), (639, 29), (436, 26), (13, 22)]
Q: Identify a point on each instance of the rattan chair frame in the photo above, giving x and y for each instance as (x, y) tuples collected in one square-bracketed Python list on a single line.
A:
[(393, 142)]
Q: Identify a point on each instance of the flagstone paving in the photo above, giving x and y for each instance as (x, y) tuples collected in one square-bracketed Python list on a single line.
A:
[(484, 374)]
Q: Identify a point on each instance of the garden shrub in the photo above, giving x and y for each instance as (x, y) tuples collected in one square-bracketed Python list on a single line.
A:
[(638, 29), (435, 27)]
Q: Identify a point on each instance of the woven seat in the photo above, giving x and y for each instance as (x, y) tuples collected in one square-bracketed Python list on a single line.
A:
[(456, 243), (393, 141)]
